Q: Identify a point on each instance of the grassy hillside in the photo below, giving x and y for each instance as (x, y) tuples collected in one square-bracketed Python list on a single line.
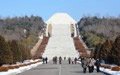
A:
[(24, 29), (96, 30)]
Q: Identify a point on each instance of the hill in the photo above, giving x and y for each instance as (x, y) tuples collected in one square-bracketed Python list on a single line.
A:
[(102, 34), (13, 28), (96, 30)]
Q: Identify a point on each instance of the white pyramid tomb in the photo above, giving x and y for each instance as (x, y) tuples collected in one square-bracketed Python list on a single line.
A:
[(60, 42), (61, 18)]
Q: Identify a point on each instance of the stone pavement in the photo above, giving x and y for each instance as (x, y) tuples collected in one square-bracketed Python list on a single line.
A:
[(57, 69)]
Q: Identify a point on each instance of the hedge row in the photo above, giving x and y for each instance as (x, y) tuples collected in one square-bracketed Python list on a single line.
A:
[(12, 52)]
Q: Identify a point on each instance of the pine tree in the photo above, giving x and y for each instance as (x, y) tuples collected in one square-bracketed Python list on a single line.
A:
[(115, 52), (17, 54), (25, 52), (96, 52), (105, 50), (5, 52)]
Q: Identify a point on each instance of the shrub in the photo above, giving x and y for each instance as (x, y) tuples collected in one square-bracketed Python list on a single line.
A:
[(4, 69), (116, 68)]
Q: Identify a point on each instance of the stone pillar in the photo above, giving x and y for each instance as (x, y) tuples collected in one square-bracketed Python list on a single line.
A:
[(49, 30), (75, 31)]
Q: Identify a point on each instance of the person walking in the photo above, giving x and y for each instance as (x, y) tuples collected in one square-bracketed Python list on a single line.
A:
[(75, 60), (46, 60), (82, 61), (60, 60), (91, 65), (97, 64), (69, 60), (85, 64), (53, 60), (43, 60)]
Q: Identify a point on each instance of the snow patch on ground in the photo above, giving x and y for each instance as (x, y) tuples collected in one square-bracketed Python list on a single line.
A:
[(109, 71), (21, 69)]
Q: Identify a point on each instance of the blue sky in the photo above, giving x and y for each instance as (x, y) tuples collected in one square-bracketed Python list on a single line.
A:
[(46, 8)]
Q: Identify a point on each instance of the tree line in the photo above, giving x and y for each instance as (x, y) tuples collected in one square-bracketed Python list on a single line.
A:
[(12, 28), (18, 35), (107, 27), (109, 51), (103, 34), (12, 52)]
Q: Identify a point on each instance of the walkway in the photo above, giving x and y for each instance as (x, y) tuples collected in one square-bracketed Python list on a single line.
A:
[(53, 69)]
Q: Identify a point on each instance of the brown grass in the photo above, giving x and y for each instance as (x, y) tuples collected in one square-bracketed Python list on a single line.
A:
[(4, 69), (11, 67), (116, 68), (16, 66)]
